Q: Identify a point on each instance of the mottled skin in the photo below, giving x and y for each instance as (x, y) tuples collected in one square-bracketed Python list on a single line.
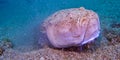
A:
[(72, 27)]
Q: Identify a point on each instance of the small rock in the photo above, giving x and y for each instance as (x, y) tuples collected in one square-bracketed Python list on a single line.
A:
[(42, 58), (115, 25), (6, 43), (1, 51)]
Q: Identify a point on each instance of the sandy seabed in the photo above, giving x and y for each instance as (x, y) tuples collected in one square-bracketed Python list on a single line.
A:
[(109, 49), (105, 53)]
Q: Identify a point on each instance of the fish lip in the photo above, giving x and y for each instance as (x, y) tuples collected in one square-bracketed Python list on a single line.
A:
[(86, 41)]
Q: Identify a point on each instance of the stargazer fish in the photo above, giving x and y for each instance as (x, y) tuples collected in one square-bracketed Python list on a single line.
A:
[(72, 27)]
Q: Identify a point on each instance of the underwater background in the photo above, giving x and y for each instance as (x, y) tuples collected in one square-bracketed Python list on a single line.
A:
[(20, 20)]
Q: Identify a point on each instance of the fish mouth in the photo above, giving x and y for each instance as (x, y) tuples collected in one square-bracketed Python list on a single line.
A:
[(94, 35)]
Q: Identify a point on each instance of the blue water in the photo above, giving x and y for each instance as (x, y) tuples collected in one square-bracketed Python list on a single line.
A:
[(20, 19)]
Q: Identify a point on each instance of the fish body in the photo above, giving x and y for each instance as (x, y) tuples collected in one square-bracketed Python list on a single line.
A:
[(72, 27)]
